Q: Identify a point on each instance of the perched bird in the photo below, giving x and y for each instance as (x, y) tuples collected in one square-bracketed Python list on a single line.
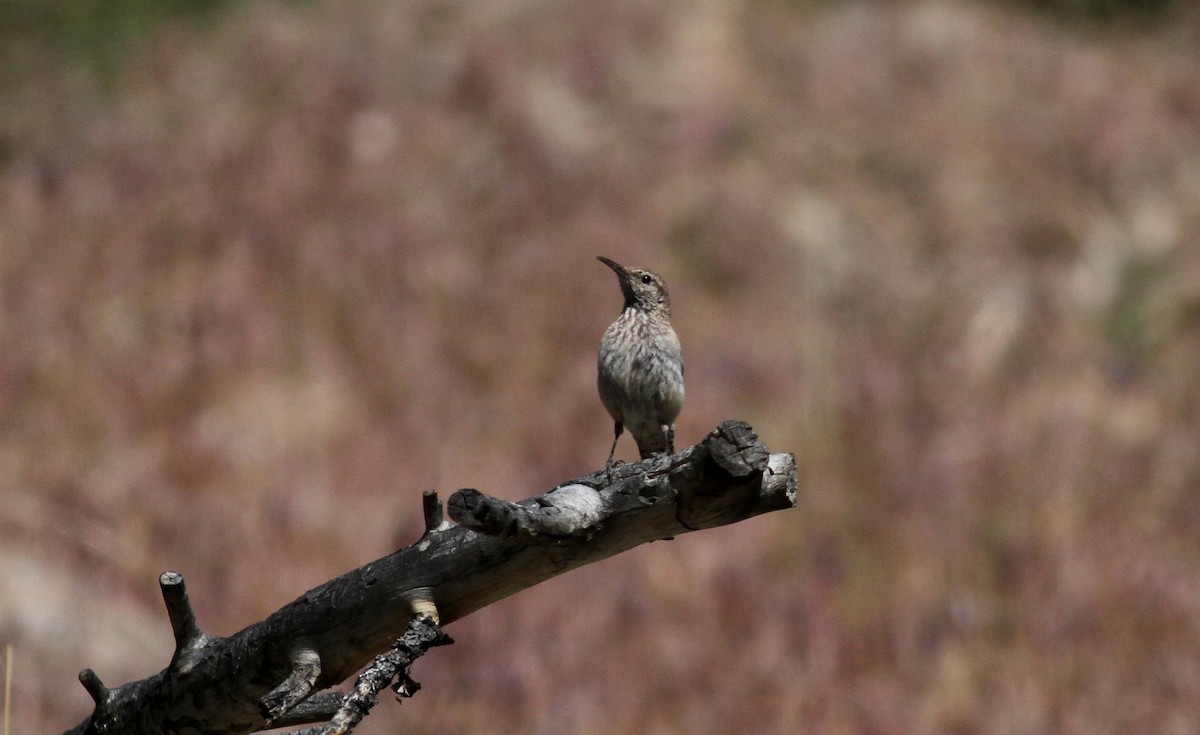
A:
[(640, 365)]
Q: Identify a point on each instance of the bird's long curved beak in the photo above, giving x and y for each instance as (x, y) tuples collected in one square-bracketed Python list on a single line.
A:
[(620, 269)]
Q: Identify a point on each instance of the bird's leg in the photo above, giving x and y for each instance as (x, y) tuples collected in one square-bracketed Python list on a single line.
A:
[(669, 433), (617, 429)]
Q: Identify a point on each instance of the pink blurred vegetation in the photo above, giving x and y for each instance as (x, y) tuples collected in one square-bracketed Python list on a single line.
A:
[(290, 266)]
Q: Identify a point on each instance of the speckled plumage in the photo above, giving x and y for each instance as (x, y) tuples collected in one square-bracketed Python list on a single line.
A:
[(640, 374)]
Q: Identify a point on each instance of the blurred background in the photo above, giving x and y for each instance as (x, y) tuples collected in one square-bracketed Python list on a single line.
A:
[(270, 270)]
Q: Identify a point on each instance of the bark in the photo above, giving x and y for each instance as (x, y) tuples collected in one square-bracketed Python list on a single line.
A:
[(266, 672)]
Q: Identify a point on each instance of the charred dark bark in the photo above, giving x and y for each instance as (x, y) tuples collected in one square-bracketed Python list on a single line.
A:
[(269, 671)]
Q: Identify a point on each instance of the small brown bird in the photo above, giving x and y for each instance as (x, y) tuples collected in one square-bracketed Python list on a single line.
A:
[(640, 364)]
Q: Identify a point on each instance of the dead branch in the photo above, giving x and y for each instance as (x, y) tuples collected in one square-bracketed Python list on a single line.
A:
[(268, 673), (422, 634)]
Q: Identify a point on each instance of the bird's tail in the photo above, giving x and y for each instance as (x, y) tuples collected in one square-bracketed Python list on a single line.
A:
[(657, 442)]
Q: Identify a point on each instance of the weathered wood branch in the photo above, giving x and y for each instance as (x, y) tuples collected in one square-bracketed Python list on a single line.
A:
[(422, 634), (270, 670)]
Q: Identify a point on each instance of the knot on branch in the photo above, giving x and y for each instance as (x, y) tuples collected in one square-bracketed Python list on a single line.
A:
[(566, 512), (306, 667), (735, 448), (708, 498)]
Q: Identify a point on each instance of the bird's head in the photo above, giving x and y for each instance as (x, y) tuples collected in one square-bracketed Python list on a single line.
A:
[(643, 289)]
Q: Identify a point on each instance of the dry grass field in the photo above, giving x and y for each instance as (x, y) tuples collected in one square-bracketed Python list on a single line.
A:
[(269, 271)]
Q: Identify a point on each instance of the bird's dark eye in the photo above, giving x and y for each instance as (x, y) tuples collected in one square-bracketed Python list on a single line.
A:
[(646, 278)]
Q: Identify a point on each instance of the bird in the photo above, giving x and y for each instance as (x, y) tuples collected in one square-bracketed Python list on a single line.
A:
[(640, 375)]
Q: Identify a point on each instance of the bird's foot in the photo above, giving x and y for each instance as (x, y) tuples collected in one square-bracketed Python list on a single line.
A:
[(608, 468)]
